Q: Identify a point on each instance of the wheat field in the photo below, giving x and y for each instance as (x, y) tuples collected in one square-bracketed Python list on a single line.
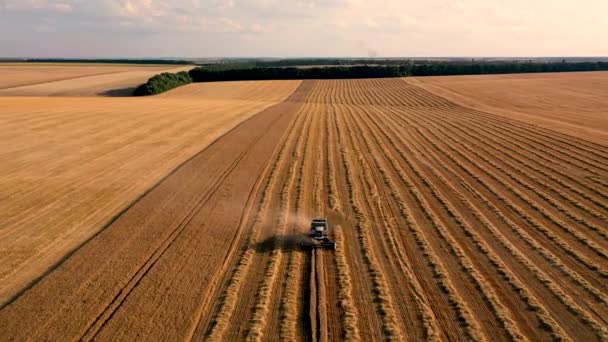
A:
[(452, 221), (69, 164)]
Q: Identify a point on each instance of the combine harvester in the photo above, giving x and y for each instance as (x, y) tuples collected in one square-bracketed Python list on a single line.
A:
[(318, 236)]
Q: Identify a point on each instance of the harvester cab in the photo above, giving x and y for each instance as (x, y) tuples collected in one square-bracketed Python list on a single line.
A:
[(319, 235), (318, 229)]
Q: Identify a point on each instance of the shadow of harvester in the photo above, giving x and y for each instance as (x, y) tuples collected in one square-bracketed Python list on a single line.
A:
[(284, 243)]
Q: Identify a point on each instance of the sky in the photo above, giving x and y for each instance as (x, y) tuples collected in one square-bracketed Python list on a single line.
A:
[(302, 28)]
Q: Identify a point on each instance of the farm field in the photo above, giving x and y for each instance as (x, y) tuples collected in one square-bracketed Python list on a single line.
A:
[(76, 79), (571, 103), (451, 222), (70, 164)]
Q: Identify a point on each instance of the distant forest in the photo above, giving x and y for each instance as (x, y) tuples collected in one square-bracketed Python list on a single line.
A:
[(103, 61), (206, 74), (243, 71)]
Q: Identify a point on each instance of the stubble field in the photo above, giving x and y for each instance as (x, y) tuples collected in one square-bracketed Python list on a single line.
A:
[(69, 165), (48, 79), (570, 103), (451, 223)]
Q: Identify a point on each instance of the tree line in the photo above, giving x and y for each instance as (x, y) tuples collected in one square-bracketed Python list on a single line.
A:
[(162, 83), (167, 81), (107, 61)]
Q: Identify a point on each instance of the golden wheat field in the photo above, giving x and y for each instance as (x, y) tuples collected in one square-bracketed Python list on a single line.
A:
[(47, 79), (571, 103), (462, 209), (69, 165)]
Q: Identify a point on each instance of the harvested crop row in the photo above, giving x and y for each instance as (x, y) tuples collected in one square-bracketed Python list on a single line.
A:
[(278, 189), (436, 140), (411, 296), (450, 224)]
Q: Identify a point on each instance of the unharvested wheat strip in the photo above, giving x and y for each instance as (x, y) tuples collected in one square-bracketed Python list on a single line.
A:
[(499, 308), (101, 195), (39, 121), (549, 256), (546, 164), (396, 258), (380, 295), (534, 303), (51, 208), (519, 195), (230, 297), (262, 306), (517, 170), (70, 190)]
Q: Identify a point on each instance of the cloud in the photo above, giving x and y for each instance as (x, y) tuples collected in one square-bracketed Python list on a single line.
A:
[(302, 27)]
